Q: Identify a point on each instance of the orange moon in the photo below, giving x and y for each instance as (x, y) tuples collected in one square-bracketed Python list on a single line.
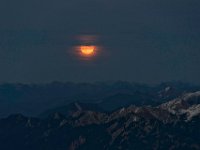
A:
[(87, 50)]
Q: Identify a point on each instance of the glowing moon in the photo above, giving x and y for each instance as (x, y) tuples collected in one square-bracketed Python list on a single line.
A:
[(87, 50)]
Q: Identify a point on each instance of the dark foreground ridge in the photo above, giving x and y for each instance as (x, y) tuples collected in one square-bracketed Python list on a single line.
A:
[(172, 125)]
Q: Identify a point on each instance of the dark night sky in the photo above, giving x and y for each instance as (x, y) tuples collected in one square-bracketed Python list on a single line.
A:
[(146, 41)]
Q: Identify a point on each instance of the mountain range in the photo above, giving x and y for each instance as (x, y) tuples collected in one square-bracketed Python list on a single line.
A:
[(173, 124), (34, 99)]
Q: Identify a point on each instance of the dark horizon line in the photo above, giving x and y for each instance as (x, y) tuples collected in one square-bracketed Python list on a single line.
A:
[(102, 82)]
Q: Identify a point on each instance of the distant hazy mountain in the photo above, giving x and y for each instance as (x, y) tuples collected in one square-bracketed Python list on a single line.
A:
[(34, 99), (122, 100), (172, 125)]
